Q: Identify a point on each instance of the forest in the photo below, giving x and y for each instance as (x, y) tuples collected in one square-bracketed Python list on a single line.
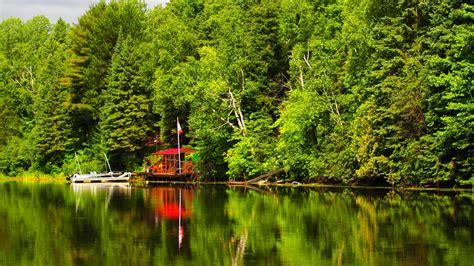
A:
[(333, 91)]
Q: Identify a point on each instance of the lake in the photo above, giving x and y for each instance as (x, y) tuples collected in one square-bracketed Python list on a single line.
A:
[(117, 224)]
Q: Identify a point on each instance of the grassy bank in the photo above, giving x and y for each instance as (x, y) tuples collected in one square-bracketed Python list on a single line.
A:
[(35, 177)]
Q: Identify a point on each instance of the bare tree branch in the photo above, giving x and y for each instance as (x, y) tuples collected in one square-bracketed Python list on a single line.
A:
[(301, 78), (226, 121), (306, 60)]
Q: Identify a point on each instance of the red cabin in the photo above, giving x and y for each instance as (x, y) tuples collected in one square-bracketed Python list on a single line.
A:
[(166, 163)]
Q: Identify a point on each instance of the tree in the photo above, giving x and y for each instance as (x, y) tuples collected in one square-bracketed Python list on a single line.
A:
[(52, 132), (92, 48), (313, 124), (125, 117), (19, 46), (449, 101), (171, 48)]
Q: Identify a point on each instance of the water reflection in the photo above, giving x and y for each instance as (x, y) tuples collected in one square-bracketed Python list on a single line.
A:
[(171, 204), (94, 188), (217, 225)]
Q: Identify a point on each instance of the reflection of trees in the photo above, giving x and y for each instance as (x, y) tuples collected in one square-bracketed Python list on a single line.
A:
[(237, 248), (26, 236), (366, 228), (44, 224), (335, 227), (101, 228)]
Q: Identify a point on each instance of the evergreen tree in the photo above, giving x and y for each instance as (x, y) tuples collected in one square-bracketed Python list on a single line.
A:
[(390, 117), (92, 48), (53, 129), (125, 117), (449, 65)]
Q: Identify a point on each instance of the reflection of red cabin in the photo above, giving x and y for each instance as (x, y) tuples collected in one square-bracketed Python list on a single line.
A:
[(171, 211), (166, 163), (167, 202)]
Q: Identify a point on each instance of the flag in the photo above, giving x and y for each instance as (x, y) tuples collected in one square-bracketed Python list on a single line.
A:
[(180, 130)]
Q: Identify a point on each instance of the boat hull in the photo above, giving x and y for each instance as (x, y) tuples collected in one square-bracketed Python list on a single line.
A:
[(97, 178)]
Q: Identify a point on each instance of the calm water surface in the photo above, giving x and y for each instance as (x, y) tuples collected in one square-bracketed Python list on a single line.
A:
[(57, 224)]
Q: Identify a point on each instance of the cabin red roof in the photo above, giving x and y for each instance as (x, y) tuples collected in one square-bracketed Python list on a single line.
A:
[(173, 151)]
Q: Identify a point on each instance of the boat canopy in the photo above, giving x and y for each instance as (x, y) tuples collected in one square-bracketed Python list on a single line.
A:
[(173, 151)]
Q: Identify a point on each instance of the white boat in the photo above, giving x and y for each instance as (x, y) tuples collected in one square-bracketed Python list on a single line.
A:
[(99, 177)]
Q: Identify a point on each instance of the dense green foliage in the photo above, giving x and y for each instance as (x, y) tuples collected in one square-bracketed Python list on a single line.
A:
[(342, 91)]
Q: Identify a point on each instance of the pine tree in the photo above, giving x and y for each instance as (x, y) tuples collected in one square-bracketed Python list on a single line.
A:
[(52, 132), (125, 117), (390, 117), (92, 48), (449, 61)]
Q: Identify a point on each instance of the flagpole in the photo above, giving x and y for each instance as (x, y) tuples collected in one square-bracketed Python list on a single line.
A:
[(179, 146)]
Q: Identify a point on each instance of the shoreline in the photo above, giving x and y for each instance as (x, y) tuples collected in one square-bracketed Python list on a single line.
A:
[(314, 185), (35, 179), (46, 179)]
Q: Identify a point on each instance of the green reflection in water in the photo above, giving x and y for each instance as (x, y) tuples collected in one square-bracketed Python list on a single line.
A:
[(53, 224)]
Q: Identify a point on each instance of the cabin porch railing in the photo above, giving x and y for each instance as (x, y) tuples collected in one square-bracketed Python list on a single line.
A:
[(170, 168)]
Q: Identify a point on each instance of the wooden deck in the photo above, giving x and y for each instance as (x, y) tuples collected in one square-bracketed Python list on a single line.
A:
[(168, 176)]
